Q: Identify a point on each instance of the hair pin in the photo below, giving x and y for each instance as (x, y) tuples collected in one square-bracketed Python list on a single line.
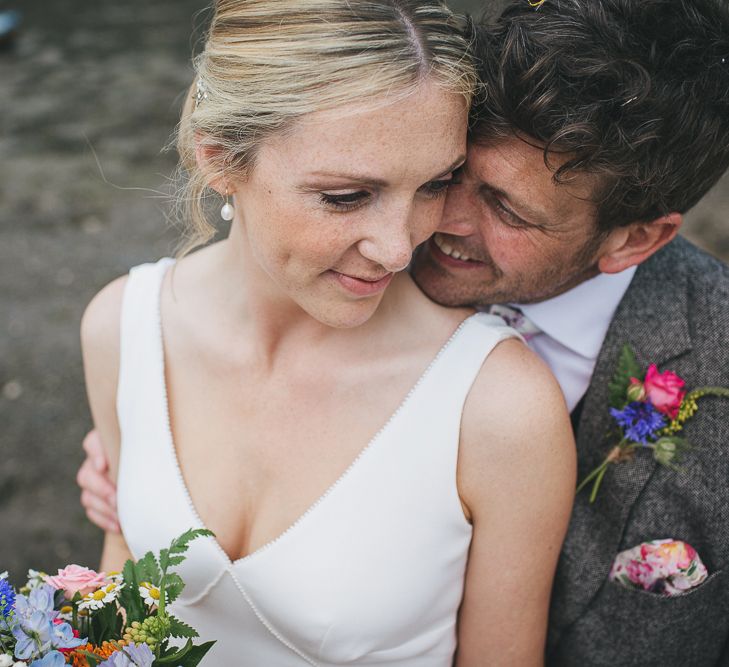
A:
[(201, 94)]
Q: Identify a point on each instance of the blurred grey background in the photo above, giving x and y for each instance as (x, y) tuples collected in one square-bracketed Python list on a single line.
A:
[(89, 97)]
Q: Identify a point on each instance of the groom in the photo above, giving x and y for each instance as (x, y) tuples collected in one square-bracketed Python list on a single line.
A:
[(601, 123)]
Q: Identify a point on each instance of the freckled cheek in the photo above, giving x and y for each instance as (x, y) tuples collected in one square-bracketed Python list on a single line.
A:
[(308, 243), (271, 231)]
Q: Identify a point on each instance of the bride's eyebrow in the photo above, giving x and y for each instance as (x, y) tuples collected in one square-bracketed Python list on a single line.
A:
[(361, 179), (364, 179)]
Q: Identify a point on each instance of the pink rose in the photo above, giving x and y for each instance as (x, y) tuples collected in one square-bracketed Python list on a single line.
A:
[(665, 390), (76, 579)]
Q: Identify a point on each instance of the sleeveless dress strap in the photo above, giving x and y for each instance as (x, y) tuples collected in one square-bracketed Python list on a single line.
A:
[(141, 353), (427, 425), (456, 367), (154, 507)]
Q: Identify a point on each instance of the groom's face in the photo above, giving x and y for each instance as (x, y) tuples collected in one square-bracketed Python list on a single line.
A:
[(509, 232)]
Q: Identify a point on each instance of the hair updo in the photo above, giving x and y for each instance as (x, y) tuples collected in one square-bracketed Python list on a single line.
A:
[(267, 63)]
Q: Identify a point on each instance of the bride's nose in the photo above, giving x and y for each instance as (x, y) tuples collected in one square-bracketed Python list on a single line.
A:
[(389, 241)]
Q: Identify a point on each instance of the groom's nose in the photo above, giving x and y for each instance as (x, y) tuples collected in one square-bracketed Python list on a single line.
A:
[(460, 212)]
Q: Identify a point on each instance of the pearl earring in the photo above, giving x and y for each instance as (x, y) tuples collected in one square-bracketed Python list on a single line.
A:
[(227, 212)]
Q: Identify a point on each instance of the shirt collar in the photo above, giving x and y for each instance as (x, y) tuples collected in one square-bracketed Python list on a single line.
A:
[(579, 318)]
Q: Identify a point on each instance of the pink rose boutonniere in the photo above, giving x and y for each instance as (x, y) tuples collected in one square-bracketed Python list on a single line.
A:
[(664, 390), (649, 414)]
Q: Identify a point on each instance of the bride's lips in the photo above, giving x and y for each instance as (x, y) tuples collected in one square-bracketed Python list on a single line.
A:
[(362, 286)]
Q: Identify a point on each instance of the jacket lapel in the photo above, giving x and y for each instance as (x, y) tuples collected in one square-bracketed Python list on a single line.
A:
[(653, 319)]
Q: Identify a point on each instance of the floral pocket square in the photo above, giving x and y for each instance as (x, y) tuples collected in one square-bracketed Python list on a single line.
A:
[(664, 567)]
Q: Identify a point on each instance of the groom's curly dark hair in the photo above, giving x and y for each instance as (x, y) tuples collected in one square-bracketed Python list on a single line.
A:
[(635, 92)]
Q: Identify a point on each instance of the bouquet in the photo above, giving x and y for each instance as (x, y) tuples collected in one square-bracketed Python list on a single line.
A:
[(89, 619)]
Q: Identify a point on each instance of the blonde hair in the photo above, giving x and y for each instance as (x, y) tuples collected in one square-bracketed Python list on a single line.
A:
[(267, 63)]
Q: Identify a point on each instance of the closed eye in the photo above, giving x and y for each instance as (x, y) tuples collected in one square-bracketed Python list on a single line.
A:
[(505, 214), (344, 201), (436, 189)]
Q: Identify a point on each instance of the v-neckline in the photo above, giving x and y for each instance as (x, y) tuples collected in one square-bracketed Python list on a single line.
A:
[(327, 492)]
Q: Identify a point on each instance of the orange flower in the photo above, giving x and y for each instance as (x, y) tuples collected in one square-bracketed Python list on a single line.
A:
[(78, 659)]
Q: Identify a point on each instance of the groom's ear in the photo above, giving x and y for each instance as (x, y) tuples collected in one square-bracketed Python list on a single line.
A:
[(633, 244)]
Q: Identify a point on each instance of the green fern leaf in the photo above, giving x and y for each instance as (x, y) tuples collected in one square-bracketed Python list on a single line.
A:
[(627, 368)]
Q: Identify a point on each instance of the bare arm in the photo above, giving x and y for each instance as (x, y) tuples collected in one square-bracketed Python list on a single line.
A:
[(100, 346), (516, 476)]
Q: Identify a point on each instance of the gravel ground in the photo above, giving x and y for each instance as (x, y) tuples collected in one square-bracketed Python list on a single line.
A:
[(90, 96)]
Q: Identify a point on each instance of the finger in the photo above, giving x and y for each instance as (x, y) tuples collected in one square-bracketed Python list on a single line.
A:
[(103, 522), (99, 504), (103, 516), (89, 479), (89, 441), (95, 450)]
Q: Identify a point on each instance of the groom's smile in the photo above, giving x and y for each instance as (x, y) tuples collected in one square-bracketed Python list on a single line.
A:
[(509, 233), (445, 248)]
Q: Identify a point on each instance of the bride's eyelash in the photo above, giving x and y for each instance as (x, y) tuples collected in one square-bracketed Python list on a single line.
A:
[(347, 201)]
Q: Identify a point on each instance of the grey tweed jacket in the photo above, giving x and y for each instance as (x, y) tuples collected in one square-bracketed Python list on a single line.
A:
[(675, 314)]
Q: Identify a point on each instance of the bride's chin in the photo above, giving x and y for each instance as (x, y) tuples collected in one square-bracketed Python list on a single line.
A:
[(345, 316)]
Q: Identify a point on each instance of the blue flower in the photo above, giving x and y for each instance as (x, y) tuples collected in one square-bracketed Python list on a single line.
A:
[(34, 636), (7, 598), (639, 421), (63, 636), (53, 659), (133, 655), (40, 599)]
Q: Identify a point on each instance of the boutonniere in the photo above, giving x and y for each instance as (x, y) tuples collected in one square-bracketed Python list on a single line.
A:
[(649, 414)]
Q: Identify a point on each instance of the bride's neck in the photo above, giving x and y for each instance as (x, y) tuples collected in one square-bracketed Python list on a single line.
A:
[(254, 312), (270, 319)]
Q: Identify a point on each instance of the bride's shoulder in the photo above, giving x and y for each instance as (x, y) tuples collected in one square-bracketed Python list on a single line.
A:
[(515, 423), (100, 333), (101, 323), (516, 396)]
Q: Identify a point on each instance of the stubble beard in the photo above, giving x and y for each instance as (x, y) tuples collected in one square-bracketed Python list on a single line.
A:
[(489, 285)]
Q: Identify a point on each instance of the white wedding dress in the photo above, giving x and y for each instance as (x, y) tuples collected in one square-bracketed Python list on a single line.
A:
[(371, 574)]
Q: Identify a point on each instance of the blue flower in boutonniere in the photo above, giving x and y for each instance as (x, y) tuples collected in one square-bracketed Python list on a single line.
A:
[(649, 413), (639, 421)]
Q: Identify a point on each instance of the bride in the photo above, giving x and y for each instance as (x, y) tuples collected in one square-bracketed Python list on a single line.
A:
[(389, 481)]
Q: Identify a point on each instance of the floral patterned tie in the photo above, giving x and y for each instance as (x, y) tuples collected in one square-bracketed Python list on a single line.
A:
[(516, 320)]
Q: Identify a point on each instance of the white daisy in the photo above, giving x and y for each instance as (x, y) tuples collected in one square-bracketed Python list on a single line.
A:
[(100, 598), (116, 577), (35, 579), (66, 612), (150, 594)]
